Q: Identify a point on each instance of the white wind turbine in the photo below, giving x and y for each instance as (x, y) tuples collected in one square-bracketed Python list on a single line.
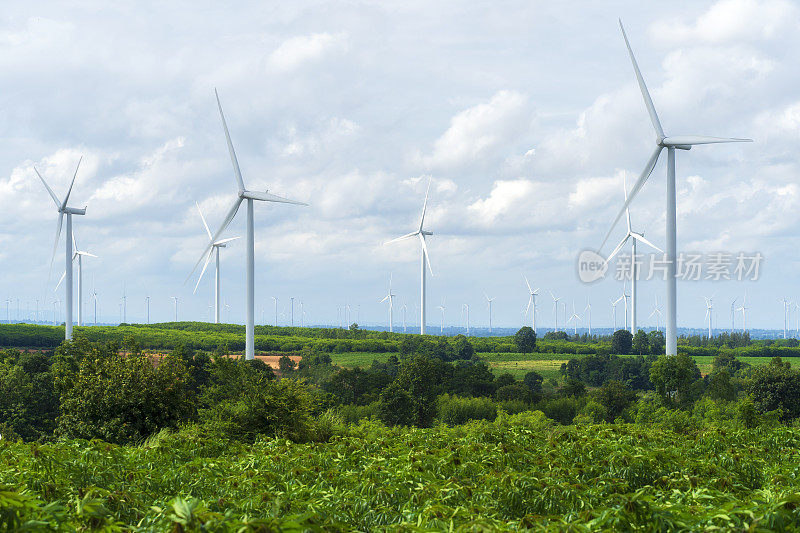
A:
[(657, 313), (465, 307), (214, 250), (77, 255), (733, 317), (709, 313), (390, 298), (63, 209), (588, 310), (743, 308), (614, 311), (555, 309), (531, 302), (683, 142), (442, 309), (243, 194), (634, 237), (797, 319), (574, 318), (786, 304), (175, 300), (421, 233), (489, 302), (405, 309)]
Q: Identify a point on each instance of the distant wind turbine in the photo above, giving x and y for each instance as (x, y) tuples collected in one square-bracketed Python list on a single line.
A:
[(709, 313), (390, 298), (733, 318), (489, 302), (657, 313), (276, 309), (421, 233), (243, 194), (63, 209), (213, 250), (463, 307), (555, 309), (588, 310), (786, 304), (684, 142), (442, 309), (574, 318), (77, 255), (743, 308), (175, 300), (531, 303)]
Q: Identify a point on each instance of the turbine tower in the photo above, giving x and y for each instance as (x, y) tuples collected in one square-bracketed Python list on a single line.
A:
[(531, 303), (683, 142), (555, 309), (390, 298), (634, 237), (442, 309), (77, 255), (421, 233), (243, 194), (215, 246), (733, 319), (489, 302), (743, 309), (574, 318), (63, 209), (614, 310), (657, 312), (709, 313), (786, 304), (463, 307), (588, 310), (175, 300)]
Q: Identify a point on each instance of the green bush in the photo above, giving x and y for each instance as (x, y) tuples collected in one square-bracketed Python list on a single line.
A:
[(454, 410)]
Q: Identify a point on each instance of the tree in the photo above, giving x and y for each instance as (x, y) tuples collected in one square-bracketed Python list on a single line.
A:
[(125, 398), (462, 347), (573, 388), (621, 342), (286, 364), (533, 380), (641, 345), (419, 377), (29, 402), (516, 391), (396, 406), (615, 397), (525, 339), (673, 377), (504, 379), (657, 342), (776, 386), (720, 386)]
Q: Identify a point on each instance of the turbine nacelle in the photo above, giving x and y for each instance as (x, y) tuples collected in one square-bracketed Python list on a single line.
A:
[(72, 211)]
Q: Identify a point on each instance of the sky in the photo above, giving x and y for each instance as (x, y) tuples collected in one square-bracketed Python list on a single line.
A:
[(525, 117)]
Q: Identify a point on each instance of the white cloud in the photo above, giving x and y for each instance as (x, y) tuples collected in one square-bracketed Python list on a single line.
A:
[(302, 49), (476, 131)]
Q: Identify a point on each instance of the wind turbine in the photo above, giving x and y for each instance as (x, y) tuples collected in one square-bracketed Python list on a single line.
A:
[(634, 237), (275, 299), (588, 309), (421, 233), (531, 303), (302, 315), (489, 302), (292, 315), (463, 307), (743, 309), (797, 319), (574, 318), (242, 195), (390, 298), (709, 313), (175, 300), (442, 309), (214, 250), (657, 312), (147, 307), (683, 142), (555, 309), (8, 313), (63, 209), (404, 308), (786, 304), (733, 320), (77, 255), (614, 310)]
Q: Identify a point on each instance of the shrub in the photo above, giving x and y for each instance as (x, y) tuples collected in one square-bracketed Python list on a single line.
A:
[(285, 364), (516, 391), (615, 397), (525, 340), (562, 410), (396, 406), (454, 410)]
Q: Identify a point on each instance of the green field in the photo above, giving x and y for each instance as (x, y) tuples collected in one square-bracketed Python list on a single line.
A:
[(518, 364)]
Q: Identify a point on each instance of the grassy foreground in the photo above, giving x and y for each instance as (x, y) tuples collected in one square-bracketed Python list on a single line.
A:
[(517, 472)]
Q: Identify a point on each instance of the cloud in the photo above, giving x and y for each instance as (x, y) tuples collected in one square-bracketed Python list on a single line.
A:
[(476, 131), (301, 49)]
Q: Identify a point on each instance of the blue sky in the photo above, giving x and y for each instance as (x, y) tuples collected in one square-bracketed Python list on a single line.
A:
[(525, 115)]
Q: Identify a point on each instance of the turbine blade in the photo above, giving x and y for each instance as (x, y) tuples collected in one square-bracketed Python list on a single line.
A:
[(530, 298), (49, 190), (651, 109), (60, 280), (618, 248), (690, 140), (203, 219), (425, 252), (239, 180), (526, 283), (627, 209), (406, 236), (205, 266), (231, 213), (425, 204), (58, 236), (648, 169), (384, 299), (267, 197), (223, 241), (69, 191), (640, 237)]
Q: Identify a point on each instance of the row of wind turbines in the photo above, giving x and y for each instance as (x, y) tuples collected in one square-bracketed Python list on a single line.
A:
[(244, 195)]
